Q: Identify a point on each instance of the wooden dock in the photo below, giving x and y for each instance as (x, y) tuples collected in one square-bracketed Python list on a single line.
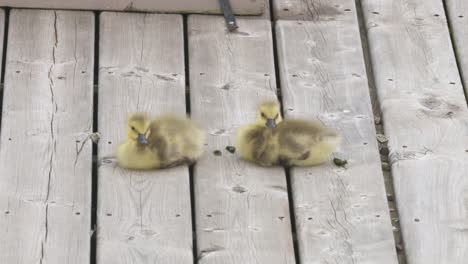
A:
[(69, 76)]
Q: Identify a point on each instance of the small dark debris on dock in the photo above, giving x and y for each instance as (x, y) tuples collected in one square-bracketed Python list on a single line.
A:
[(231, 149), (339, 162)]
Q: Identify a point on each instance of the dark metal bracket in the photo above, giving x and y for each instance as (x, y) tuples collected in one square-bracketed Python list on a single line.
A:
[(228, 15)]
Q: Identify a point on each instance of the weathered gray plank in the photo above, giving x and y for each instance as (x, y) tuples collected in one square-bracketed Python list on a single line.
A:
[(312, 9), (341, 213), (266, 10), (242, 213), (458, 16), (143, 217), (246, 7), (426, 119), (45, 157)]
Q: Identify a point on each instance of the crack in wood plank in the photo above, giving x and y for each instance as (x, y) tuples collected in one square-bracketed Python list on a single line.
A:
[(208, 251), (52, 133)]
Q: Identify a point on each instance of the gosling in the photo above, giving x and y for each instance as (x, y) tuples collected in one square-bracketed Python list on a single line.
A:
[(163, 143), (274, 141)]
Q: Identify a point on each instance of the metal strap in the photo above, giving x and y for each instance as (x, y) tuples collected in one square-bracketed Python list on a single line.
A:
[(228, 15)]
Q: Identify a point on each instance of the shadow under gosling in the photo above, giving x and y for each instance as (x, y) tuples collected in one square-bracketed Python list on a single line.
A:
[(166, 142), (274, 141)]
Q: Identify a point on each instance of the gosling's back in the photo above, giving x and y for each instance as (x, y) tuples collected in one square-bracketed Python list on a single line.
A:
[(305, 143), (176, 137), (255, 143)]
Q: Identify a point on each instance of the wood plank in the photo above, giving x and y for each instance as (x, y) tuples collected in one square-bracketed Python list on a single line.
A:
[(458, 16), (241, 210), (266, 10), (312, 9), (45, 154), (242, 7), (143, 217), (426, 118), (341, 214)]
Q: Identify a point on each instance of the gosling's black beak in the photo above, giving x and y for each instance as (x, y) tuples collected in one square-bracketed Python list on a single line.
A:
[(142, 139), (271, 123)]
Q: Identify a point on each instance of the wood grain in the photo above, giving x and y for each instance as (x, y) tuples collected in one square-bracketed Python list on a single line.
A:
[(143, 217), (45, 157), (266, 10), (341, 213), (426, 119), (245, 7), (312, 9), (241, 210), (458, 17)]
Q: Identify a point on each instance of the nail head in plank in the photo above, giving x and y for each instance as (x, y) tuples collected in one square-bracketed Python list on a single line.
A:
[(341, 213), (426, 120), (242, 213), (45, 154), (143, 217)]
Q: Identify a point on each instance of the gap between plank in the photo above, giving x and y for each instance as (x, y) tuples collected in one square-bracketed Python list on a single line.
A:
[(94, 188), (188, 110), (4, 52), (383, 149), (455, 51), (287, 171), (186, 65), (292, 215), (275, 54)]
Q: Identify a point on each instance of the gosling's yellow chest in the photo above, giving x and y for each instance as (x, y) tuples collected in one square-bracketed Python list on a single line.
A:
[(131, 155)]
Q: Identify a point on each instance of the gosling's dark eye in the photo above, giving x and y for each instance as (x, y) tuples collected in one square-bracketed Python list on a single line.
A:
[(133, 128), (263, 115)]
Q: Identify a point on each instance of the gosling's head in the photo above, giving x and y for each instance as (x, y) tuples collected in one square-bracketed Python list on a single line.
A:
[(138, 127), (269, 114)]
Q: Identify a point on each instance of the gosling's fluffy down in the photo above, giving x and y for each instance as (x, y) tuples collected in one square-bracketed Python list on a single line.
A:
[(274, 141), (305, 143), (163, 143)]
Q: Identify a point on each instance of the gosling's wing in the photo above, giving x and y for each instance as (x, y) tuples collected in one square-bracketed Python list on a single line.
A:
[(159, 145), (251, 135), (293, 143), (252, 143), (158, 141), (297, 136), (176, 136)]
